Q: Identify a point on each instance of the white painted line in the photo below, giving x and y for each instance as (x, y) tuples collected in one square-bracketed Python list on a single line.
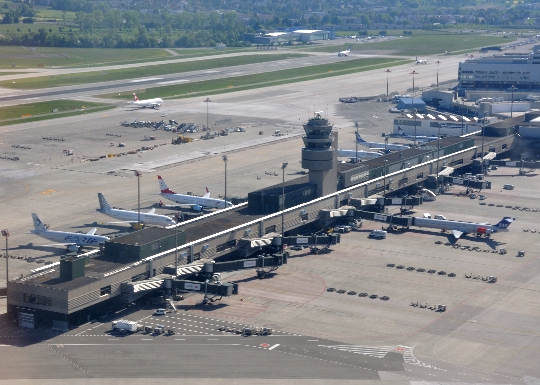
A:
[(179, 339), (273, 347), (113, 339), (174, 82), (313, 340), (144, 80), (213, 339), (147, 339)]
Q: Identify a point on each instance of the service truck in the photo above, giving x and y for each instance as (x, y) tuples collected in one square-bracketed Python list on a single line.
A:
[(126, 326)]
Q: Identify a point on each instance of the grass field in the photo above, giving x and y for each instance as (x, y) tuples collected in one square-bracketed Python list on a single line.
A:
[(138, 72), (43, 111), (418, 45), (267, 79), (23, 28), (69, 57)]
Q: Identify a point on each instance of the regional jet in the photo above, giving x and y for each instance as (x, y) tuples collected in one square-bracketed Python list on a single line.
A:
[(458, 228), (196, 203), (352, 154), (127, 216), (344, 53), (420, 139), (154, 103), (421, 61), (73, 241), (381, 146)]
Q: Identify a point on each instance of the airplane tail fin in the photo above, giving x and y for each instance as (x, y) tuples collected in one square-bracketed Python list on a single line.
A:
[(359, 138), (163, 186), (135, 98), (504, 223), (38, 225), (207, 195), (401, 132), (103, 203)]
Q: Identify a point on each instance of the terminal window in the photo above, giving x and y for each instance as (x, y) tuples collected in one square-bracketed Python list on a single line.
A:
[(39, 299)]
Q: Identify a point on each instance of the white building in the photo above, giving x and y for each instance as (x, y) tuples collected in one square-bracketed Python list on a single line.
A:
[(433, 124)]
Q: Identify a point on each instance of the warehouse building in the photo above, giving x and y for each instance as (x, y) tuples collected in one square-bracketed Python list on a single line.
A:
[(501, 72)]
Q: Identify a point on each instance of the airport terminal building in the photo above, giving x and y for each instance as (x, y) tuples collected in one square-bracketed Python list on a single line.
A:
[(501, 72)]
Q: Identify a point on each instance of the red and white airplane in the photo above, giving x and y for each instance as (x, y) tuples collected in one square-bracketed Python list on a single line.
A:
[(196, 203), (154, 103)]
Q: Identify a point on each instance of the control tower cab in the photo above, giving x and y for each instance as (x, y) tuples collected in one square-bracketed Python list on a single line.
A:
[(319, 155)]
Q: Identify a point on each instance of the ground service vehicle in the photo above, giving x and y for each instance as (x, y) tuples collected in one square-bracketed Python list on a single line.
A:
[(126, 326), (381, 234)]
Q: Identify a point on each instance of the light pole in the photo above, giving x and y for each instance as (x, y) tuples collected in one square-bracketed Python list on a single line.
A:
[(283, 166), (356, 141), (483, 129), (513, 88), (438, 156), (462, 105), (384, 180), (207, 101), (225, 159), (5, 233), (138, 174), (414, 112)]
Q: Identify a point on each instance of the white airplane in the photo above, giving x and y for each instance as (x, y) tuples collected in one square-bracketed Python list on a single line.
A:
[(459, 228), (365, 155), (73, 241), (421, 61), (420, 139), (154, 103), (380, 146), (344, 53), (127, 216), (196, 203)]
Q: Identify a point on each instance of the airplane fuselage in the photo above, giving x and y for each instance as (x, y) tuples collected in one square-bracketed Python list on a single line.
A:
[(361, 154), (132, 216), (196, 201), (67, 237), (464, 227)]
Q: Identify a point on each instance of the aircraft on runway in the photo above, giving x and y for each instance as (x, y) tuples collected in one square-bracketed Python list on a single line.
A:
[(154, 103), (344, 53), (380, 146), (127, 216), (459, 228), (421, 61), (196, 203), (73, 241), (364, 155), (420, 139)]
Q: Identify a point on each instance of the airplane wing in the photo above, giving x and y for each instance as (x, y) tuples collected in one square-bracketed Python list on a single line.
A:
[(57, 244), (152, 211), (121, 222), (457, 233), (92, 232)]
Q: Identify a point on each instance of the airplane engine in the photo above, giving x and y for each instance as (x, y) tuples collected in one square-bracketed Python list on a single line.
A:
[(73, 248), (481, 230), (197, 208)]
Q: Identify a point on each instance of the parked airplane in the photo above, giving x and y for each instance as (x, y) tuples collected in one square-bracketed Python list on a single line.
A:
[(364, 155), (344, 53), (380, 146), (421, 61), (154, 103), (458, 228), (127, 216), (73, 241), (420, 139), (196, 203)]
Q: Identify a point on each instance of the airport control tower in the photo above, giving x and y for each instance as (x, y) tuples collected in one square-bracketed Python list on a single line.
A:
[(319, 155)]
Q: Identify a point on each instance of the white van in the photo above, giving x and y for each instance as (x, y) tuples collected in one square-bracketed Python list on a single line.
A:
[(160, 312), (508, 187), (427, 216), (381, 234), (442, 217)]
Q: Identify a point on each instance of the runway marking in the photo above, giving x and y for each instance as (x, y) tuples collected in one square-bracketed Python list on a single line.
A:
[(313, 340), (147, 339), (273, 347), (174, 81), (144, 80)]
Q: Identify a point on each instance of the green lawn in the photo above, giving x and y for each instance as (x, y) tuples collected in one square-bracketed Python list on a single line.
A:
[(69, 57), (23, 28), (417, 45), (218, 86), (43, 111), (138, 72)]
